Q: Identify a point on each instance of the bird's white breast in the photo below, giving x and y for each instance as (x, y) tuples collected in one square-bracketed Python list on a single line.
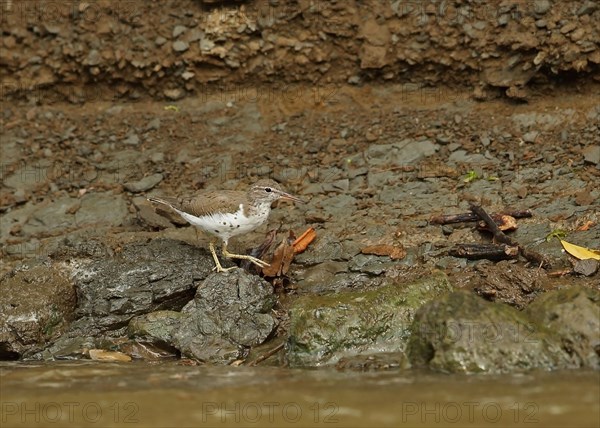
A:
[(226, 225)]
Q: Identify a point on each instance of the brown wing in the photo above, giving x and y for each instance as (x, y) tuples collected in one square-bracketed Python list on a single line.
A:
[(210, 202)]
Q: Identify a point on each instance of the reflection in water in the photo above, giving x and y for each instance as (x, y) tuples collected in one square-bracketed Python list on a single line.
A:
[(161, 395)]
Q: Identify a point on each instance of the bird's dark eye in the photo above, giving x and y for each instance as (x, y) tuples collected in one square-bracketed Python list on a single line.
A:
[(268, 189)]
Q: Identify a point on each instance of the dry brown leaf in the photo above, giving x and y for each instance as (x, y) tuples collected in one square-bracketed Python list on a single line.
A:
[(282, 258), (304, 240), (394, 252), (586, 226), (505, 223)]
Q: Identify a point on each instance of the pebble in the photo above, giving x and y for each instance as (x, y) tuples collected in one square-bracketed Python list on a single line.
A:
[(530, 136), (144, 184), (132, 140), (178, 30), (541, 6), (591, 154), (160, 40), (174, 94), (153, 125), (180, 46)]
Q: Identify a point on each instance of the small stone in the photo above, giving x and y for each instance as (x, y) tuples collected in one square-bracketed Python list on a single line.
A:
[(206, 44), (354, 80), (144, 184), (173, 94), (587, 8), (178, 30), (132, 140), (541, 23), (541, 6), (187, 75), (530, 136), (159, 41), (371, 136), (587, 267), (180, 46), (153, 125), (591, 154), (94, 57)]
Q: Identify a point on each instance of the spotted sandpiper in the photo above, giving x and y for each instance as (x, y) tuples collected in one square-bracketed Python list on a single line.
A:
[(227, 213)]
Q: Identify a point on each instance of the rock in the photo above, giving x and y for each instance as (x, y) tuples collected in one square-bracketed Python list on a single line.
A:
[(373, 56), (591, 154), (132, 140), (541, 6), (462, 333), (323, 329), (147, 214), (507, 282), (404, 152), (141, 278), (101, 209), (155, 327), (374, 33), (573, 315), (160, 40), (178, 30), (180, 46), (174, 94), (144, 184), (530, 136), (587, 8), (37, 306), (374, 362), (230, 313), (587, 267), (153, 125), (94, 57)]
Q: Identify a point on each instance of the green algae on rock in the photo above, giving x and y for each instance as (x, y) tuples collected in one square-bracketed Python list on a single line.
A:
[(324, 329), (463, 333)]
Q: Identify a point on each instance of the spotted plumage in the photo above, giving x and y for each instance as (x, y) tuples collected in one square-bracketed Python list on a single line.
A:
[(227, 213)]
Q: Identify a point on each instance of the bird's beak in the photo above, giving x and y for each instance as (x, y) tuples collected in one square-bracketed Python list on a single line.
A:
[(287, 196)]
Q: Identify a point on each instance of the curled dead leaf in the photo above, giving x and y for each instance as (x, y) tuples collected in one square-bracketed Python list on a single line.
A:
[(304, 240), (282, 258), (505, 223)]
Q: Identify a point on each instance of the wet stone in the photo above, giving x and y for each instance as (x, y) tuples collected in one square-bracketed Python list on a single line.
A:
[(462, 333), (572, 314), (230, 313), (324, 329), (37, 307)]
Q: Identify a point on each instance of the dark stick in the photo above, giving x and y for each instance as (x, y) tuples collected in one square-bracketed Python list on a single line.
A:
[(459, 218), (484, 251), (499, 236), (267, 355)]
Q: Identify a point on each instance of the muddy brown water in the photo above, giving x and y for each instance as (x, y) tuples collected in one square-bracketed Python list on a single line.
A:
[(169, 394)]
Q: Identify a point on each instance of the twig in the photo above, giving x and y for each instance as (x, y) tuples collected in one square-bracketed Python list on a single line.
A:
[(464, 217), (484, 251), (499, 236), (267, 355)]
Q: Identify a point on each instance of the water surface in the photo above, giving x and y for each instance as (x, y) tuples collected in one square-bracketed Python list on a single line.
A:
[(169, 394)]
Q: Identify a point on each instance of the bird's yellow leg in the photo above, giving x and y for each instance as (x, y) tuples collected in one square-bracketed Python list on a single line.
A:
[(257, 262)]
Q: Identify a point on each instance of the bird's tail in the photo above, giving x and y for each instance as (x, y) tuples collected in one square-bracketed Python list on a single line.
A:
[(164, 200)]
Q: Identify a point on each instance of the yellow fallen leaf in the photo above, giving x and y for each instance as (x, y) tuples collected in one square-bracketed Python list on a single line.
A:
[(578, 252), (102, 355)]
